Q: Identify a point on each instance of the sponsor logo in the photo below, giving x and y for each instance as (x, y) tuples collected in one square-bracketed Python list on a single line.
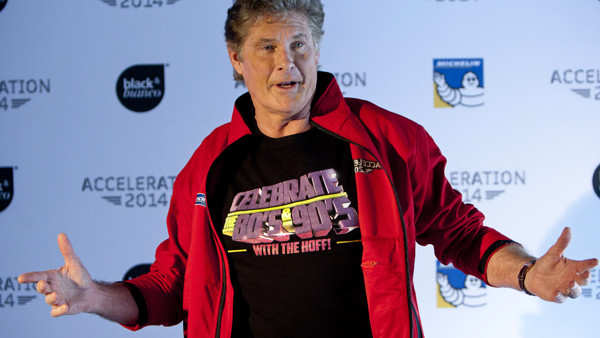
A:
[(365, 166), (485, 185), (583, 82), (595, 181), (136, 271), (139, 3), (140, 88), (130, 191), (6, 187), (2, 4), (13, 293), (458, 82), (201, 200), (16, 92), (455, 289)]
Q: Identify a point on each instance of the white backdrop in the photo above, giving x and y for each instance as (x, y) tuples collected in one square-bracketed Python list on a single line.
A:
[(84, 164)]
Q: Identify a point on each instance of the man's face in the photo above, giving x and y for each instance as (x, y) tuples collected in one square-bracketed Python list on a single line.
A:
[(279, 64)]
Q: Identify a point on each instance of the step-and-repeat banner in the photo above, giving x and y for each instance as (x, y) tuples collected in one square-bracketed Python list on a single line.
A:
[(510, 90)]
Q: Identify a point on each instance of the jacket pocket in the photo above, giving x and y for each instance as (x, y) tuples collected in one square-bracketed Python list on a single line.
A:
[(385, 276)]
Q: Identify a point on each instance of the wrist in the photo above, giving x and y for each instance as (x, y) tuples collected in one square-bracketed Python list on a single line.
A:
[(523, 276), (94, 297), (112, 301)]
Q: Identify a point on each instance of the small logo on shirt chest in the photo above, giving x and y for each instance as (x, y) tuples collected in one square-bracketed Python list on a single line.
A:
[(201, 200), (365, 166)]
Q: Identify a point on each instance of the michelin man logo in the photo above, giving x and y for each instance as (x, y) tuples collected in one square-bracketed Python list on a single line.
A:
[(457, 289), (458, 82)]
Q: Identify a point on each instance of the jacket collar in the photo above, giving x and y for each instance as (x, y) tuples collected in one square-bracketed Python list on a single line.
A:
[(332, 112), (329, 111)]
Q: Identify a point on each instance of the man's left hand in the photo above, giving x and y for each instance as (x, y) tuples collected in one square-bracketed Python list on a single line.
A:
[(555, 277)]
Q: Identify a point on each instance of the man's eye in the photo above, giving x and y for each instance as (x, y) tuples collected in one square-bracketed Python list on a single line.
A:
[(268, 47), (299, 44)]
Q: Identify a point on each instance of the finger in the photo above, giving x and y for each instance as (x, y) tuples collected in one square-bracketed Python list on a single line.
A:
[(66, 249), (43, 287), (59, 310), (561, 244), (583, 269), (51, 298), (33, 277), (587, 264), (574, 290), (585, 278), (559, 297)]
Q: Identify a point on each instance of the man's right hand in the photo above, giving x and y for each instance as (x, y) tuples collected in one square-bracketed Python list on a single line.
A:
[(68, 288)]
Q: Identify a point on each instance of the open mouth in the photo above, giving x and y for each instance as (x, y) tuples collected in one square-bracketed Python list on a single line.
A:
[(287, 85)]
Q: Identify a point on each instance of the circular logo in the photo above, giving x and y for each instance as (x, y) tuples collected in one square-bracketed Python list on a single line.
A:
[(2, 4), (140, 88), (596, 181)]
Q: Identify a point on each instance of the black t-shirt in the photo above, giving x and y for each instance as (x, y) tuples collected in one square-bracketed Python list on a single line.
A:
[(289, 224)]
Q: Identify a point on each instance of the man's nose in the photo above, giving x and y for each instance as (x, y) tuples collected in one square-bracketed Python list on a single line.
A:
[(285, 60)]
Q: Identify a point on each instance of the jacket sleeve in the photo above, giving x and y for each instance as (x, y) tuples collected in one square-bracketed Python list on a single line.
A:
[(455, 229), (159, 293)]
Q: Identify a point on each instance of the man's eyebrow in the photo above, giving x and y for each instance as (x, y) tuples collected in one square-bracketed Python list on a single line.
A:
[(299, 35), (266, 40), (271, 40)]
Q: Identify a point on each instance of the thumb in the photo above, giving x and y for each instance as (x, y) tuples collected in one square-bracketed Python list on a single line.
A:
[(561, 243), (66, 249)]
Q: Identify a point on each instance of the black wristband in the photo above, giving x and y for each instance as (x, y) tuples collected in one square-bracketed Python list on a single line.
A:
[(522, 274)]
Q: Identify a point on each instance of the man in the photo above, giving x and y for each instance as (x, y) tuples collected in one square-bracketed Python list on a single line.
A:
[(300, 216)]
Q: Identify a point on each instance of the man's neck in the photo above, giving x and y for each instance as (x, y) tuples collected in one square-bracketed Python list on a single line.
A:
[(276, 128)]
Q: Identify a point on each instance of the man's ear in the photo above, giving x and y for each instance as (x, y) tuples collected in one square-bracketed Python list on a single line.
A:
[(236, 61)]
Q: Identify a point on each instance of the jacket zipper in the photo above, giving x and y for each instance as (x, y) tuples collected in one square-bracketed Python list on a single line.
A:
[(222, 301), (419, 329), (223, 275), (223, 296), (411, 309), (223, 283)]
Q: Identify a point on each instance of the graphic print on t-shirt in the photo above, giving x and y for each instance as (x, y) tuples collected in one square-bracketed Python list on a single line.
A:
[(309, 207)]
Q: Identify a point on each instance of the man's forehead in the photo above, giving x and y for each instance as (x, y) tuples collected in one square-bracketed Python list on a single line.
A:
[(271, 27)]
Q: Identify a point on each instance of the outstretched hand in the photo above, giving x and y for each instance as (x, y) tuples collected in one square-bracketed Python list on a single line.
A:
[(65, 288), (555, 277)]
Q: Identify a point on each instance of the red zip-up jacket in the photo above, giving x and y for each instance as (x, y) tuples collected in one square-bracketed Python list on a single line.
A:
[(407, 200)]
